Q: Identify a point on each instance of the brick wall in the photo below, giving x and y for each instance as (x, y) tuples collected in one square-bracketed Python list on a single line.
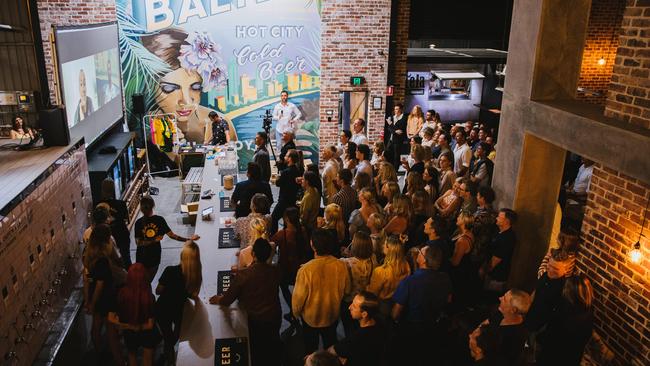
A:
[(69, 12), (628, 98), (353, 34), (612, 223), (402, 43), (38, 239), (601, 43)]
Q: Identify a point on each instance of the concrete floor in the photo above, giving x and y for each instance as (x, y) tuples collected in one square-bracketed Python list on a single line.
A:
[(77, 348)]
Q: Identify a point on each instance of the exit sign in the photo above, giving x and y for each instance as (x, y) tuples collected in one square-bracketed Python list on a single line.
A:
[(357, 80)]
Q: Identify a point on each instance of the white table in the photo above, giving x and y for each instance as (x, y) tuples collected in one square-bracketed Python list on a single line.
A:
[(202, 322), (191, 185)]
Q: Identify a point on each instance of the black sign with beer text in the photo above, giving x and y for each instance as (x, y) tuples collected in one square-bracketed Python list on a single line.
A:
[(231, 351), (224, 205), (227, 238), (224, 279)]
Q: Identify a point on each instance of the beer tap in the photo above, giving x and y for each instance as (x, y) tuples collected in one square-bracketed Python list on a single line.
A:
[(28, 324), (11, 356), (19, 338)]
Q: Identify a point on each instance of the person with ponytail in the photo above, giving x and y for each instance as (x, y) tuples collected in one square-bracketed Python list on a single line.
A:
[(333, 220), (135, 315), (176, 284)]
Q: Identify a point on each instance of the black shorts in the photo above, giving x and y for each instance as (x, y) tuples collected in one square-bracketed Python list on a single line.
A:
[(144, 339), (148, 255)]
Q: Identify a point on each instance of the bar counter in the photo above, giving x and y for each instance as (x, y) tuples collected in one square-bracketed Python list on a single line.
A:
[(203, 323)]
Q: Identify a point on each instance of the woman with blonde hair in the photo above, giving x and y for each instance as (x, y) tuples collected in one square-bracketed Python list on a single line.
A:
[(449, 203), (463, 276), (389, 191), (385, 278), (415, 122), (401, 212), (258, 230), (360, 265), (333, 220), (386, 173), (175, 286), (359, 217), (376, 224)]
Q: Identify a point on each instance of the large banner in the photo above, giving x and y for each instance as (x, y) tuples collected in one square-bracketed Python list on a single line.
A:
[(191, 57)]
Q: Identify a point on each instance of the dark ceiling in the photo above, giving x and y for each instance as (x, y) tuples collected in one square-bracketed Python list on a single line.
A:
[(462, 20)]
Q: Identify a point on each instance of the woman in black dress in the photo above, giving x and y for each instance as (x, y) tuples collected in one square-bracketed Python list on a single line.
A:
[(176, 284), (461, 273), (99, 288), (562, 309)]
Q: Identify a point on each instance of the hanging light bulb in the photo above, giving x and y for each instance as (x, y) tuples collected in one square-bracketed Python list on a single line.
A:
[(602, 61), (635, 253)]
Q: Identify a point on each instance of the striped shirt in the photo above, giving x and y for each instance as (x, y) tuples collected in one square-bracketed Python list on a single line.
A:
[(347, 199)]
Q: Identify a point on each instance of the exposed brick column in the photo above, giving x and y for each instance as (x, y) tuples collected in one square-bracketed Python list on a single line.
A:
[(601, 43), (69, 12), (629, 94), (611, 225), (353, 34), (402, 44)]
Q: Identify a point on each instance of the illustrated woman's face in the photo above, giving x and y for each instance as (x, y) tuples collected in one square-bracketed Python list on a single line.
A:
[(180, 93)]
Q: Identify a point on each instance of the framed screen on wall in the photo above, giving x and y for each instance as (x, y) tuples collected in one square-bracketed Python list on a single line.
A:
[(90, 78)]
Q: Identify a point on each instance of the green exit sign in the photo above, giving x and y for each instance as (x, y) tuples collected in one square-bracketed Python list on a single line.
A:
[(357, 80)]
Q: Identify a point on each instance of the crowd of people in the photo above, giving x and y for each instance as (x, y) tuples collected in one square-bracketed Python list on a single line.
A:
[(415, 274)]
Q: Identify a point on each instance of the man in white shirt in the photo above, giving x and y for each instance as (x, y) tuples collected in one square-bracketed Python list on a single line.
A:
[(358, 137), (429, 121), (330, 172), (462, 154), (363, 155), (285, 114), (583, 179)]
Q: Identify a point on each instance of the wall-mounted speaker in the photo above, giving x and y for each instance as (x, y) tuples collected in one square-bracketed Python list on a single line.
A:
[(54, 124), (138, 103)]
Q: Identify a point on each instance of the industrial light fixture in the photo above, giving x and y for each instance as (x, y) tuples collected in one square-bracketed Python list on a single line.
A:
[(635, 254), (432, 46), (602, 61)]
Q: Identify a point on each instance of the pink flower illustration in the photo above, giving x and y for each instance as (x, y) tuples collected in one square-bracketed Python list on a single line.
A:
[(202, 56)]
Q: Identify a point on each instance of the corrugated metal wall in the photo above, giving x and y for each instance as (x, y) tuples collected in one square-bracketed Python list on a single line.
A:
[(18, 70)]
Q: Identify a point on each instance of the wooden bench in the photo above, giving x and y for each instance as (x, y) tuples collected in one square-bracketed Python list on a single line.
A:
[(191, 185)]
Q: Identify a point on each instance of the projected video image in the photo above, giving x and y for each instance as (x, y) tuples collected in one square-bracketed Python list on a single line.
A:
[(80, 91), (108, 79), (90, 83)]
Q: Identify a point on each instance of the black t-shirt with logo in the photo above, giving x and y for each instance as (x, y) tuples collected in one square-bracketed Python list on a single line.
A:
[(151, 228)]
